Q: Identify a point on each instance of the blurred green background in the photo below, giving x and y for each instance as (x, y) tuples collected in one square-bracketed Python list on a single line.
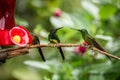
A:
[(100, 17)]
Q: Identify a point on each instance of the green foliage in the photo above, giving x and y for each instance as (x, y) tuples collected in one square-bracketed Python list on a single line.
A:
[(107, 11), (100, 17)]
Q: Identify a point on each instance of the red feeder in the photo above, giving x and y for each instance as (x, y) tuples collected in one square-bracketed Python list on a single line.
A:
[(5, 38), (7, 14), (9, 34), (6, 21)]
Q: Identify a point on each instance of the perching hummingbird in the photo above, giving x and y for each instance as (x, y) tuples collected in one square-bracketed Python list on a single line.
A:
[(90, 40), (53, 38), (36, 41)]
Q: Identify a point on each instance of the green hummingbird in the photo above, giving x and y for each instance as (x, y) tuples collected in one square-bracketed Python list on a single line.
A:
[(90, 40), (36, 41), (53, 38)]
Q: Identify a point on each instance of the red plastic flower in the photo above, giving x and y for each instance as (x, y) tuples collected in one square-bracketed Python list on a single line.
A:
[(17, 35), (20, 36)]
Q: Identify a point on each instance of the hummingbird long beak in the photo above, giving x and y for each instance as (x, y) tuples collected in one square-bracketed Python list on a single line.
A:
[(79, 30), (74, 29), (57, 29), (60, 28)]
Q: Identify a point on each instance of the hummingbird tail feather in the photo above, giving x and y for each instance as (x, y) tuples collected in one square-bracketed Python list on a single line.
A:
[(41, 54), (61, 52)]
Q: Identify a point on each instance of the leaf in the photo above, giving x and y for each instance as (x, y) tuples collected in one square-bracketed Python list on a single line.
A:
[(103, 37), (25, 74), (50, 66), (90, 8), (96, 77), (63, 20), (107, 11), (36, 64), (113, 73), (97, 68)]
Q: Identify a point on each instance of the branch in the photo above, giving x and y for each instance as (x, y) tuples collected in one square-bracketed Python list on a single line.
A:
[(13, 52), (105, 53), (40, 45)]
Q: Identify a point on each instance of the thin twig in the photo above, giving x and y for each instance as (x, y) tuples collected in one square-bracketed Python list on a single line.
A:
[(24, 50), (105, 53)]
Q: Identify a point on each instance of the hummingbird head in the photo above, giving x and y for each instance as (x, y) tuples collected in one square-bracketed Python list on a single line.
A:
[(55, 30), (83, 31)]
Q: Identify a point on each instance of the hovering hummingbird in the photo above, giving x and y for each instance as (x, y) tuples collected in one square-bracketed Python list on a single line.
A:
[(53, 38), (36, 41), (90, 40)]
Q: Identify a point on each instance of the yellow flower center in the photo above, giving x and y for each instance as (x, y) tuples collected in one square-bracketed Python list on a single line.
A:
[(17, 38)]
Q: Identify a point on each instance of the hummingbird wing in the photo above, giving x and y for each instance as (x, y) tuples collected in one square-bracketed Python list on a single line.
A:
[(97, 45), (52, 37), (56, 37), (61, 52), (41, 53)]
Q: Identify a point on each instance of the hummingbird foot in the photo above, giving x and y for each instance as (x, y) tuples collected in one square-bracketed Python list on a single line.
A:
[(90, 46), (51, 45), (95, 54)]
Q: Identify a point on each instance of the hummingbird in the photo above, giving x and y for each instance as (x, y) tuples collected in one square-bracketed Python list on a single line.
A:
[(91, 40), (36, 41), (53, 38)]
